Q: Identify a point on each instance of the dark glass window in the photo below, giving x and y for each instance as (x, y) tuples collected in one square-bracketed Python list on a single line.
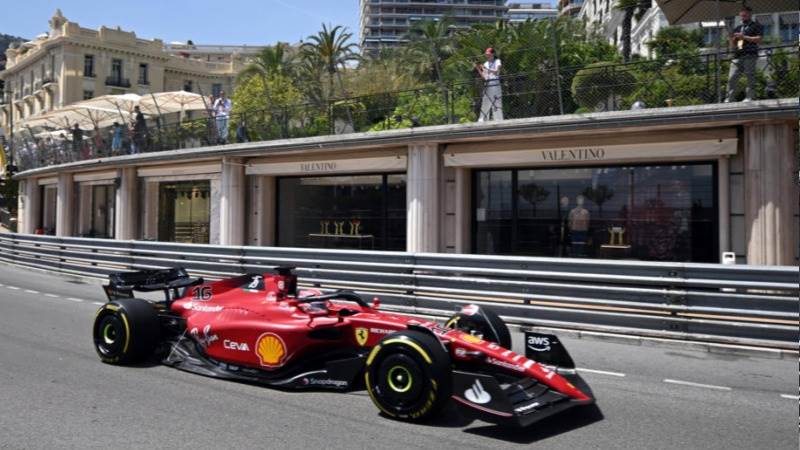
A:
[(353, 211), (88, 65), (188, 85), (103, 204), (143, 75), (658, 212), (48, 212), (116, 70), (184, 213)]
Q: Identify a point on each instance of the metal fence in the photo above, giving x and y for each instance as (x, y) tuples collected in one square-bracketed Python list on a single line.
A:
[(646, 83), (750, 305)]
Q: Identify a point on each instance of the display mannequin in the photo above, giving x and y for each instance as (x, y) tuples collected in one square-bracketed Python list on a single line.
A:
[(578, 220)]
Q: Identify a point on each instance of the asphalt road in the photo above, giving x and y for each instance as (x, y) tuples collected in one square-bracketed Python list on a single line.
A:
[(55, 393)]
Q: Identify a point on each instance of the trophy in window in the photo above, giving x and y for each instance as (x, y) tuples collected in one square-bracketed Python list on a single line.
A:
[(324, 226), (355, 227), (616, 236)]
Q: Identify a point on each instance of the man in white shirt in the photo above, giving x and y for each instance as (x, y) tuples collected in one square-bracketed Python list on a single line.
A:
[(222, 109), (492, 101)]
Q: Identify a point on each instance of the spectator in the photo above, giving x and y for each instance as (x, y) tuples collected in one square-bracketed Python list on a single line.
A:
[(99, 143), (63, 153), (222, 109), (492, 99), (77, 141), (241, 131), (116, 138), (745, 40), (140, 133)]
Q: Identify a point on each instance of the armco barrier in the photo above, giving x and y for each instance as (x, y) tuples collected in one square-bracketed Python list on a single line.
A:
[(750, 305)]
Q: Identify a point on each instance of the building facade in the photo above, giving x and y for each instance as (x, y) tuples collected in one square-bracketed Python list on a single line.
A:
[(520, 12), (386, 23), (70, 63), (569, 8), (780, 28), (662, 184)]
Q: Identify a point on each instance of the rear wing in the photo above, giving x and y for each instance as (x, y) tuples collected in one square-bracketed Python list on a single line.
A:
[(172, 281)]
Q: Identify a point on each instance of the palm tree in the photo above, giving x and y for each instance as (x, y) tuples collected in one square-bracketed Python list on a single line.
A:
[(630, 9), (430, 43), (331, 49), (269, 61)]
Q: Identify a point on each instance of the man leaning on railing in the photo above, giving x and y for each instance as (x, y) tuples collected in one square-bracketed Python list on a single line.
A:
[(744, 39)]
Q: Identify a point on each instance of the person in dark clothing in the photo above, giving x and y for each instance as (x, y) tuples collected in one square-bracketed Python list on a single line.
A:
[(140, 133), (77, 141), (744, 40)]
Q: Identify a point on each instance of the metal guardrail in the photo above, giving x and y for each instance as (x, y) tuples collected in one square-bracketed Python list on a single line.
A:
[(749, 305)]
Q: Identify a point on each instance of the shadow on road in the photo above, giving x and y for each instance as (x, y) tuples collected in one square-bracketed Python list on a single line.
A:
[(569, 420)]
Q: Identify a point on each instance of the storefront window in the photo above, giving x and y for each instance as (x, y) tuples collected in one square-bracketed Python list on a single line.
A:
[(49, 200), (657, 213), (102, 210), (184, 212), (355, 211)]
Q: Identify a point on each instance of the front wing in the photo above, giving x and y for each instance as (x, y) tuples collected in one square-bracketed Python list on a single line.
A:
[(521, 402)]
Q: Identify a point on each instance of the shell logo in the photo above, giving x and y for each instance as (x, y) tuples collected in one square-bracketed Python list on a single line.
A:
[(271, 350)]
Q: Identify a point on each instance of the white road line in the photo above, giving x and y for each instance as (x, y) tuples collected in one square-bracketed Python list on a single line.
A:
[(98, 303), (601, 372), (31, 291), (51, 295), (77, 300), (700, 385), (13, 288), (790, 397)]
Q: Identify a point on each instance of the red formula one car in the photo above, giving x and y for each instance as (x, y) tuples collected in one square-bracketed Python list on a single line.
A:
[(260, 329)]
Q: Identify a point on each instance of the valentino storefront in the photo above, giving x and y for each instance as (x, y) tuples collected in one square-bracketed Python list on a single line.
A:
[(654, 200), (342, 201)]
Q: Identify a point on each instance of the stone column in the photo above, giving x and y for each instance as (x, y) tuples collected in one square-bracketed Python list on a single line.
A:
[(770, 193), (231, 202), (126, 214), (150, 210), (65, 205), (463, 210), (422, 230), (263, 225), (723, 187), (31, 206)]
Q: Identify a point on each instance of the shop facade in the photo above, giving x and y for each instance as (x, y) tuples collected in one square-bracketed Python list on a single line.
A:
[(683, 194)]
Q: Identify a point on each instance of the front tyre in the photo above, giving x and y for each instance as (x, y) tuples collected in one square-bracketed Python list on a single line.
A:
[(409, 376), (126, 331)]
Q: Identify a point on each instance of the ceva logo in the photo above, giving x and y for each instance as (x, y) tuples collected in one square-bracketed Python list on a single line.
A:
[(476, 394)]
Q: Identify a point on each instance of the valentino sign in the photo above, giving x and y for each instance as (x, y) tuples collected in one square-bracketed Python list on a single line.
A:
[(574, 154), (651, 151), (310, 167)]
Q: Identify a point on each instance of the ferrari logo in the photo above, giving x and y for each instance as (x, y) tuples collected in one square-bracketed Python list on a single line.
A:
[(362, 334)]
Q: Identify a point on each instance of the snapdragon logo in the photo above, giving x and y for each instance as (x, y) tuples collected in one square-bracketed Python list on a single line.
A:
[(476, 394)]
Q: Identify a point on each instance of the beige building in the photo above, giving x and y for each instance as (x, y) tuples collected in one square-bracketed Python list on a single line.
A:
[(70, 63)]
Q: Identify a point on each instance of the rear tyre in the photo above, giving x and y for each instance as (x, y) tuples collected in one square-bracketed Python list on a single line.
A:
[(126, 331), (409, 376), (484, 322)]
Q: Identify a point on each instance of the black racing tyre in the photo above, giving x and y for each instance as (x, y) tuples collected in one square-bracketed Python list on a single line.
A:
[(126, 331), (484, 321), (409, 375)]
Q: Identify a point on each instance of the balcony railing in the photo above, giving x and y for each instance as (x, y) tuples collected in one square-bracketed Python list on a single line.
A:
[(652, 83), (118, 82)]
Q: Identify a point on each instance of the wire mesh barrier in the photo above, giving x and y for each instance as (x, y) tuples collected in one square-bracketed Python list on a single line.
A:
[(541, 89), (748, 305)]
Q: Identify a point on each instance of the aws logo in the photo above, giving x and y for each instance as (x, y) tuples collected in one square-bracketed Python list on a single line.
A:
[(538, 343)]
